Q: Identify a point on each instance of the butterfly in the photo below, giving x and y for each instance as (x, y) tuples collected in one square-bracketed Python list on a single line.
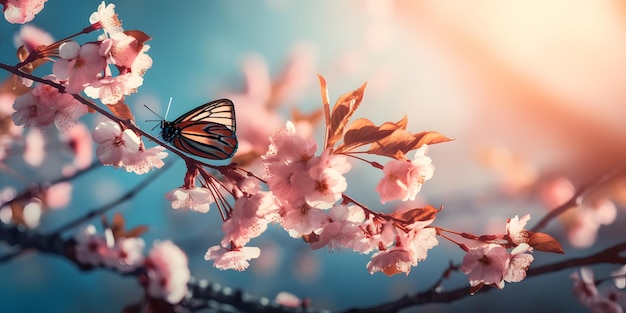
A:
[(207, 131)]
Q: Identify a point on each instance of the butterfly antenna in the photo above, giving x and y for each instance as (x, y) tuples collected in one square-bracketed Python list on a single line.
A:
[(168, 107), (155, 113)]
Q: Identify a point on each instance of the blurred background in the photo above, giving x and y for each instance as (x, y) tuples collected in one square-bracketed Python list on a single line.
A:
[(532, 91)]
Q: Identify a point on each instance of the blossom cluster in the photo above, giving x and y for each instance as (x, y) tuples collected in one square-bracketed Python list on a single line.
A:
[(88, 68), (493, 264), (165, 267)]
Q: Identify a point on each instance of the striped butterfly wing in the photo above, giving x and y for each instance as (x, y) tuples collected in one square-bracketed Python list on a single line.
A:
[(207, 131)]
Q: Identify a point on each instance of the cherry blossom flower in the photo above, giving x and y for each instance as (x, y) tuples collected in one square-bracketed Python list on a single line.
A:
[(167, 272), (21, 11), (287, 146), (418, 241), (519, 263), (515, 229), (342, 229), (30, 112), (66, 109), (249, 218), (403, 178), (582, 223), (78, 139), (236, 259), (107, 18), (323, 187), (90, 248), (196, 199), (111, 89), (126, 254), (486, 264), (585, 290), (302, 220), (391, 261), (115, 147), (80, 67), (145, 160), (31, 38)]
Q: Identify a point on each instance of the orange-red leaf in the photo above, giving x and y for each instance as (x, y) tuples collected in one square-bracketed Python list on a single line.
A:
[(139, 35), (416, 215), (345, 106), (544, 242), (398, 140), (361, 132), (430, 138), (121, 110), (401, 140)]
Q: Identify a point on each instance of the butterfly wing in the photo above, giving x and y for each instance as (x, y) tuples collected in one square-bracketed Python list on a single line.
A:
[(208, 131)]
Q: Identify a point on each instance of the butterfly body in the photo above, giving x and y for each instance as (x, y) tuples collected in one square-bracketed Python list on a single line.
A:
[(207, 131)]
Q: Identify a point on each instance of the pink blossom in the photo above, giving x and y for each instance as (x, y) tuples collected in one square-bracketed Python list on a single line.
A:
[(82, 68), (142, 62), (403, 178), (584, 287), (145, 160), (515, 229), (418, 241), (302, 220), (123, 51), (583, 223), (391, 261), (287, 146), (285, 180), (90, 248), (236, 259), (21, 11), (167, 272), (519, 263), (323, 187), (112, 89), (486, 264), (66, 109), (30, 112), (31, 38), (107, 18), (249, 218), (126, 254), (196, 199), (342, 229), (78, 139), (114, 146)]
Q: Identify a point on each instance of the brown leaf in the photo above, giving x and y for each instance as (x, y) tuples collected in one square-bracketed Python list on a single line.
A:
[(430, 138), (343, 110), (401, 140), (398, 140), (139, 35), (361, 132), (415, 215), (544, 242), (121, 110)]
